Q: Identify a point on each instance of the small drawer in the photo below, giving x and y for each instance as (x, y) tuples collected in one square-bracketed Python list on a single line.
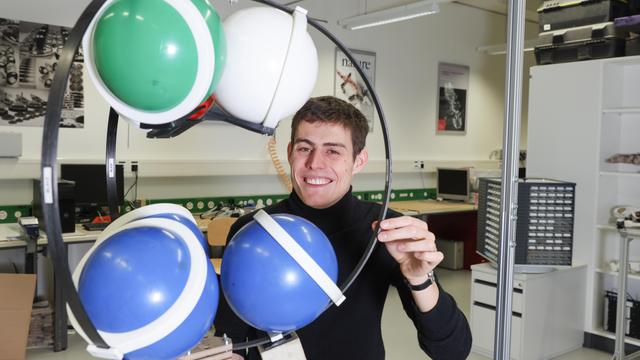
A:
[(485, 292), (483, 319)]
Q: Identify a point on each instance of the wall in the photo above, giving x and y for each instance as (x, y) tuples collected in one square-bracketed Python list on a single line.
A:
[(407, 57)]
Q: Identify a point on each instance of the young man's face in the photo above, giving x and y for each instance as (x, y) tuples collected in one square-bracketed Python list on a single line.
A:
[(322, 163)]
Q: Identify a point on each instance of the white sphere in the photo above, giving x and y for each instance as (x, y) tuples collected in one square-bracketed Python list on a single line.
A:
[(271, 68)]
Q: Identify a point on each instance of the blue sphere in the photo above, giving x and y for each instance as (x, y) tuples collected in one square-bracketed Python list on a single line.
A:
[(134, 277), (265, 286), (188, 223)]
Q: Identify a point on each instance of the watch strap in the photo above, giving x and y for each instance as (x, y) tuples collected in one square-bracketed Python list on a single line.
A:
[(430, 280)]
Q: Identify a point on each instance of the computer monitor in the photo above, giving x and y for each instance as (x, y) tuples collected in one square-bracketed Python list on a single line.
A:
[(453, 183), (91, 183)]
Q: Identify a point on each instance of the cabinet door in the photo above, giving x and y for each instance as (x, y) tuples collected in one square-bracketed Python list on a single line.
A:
[(563, 134)]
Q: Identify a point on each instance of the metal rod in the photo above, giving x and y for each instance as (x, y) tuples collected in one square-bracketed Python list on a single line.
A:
[(509, 195), (621, 320)]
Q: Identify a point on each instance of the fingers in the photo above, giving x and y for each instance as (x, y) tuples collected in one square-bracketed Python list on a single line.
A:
[(406, 233), (432, 257), (403, 221), (409, 236), (417, 246)]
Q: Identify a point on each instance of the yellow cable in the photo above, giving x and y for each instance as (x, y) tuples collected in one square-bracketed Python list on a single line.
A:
[(282, 173)]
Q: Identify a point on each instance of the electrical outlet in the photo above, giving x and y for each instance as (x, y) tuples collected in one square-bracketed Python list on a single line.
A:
[(418, 164)]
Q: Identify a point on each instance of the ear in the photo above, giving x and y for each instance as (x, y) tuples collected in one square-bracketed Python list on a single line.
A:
[(361, 160), (289, 149)]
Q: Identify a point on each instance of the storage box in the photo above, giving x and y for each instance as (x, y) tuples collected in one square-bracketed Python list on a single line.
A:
[(580, 43), (453, 254), (633, 46), (544, 226), (632, 314), (628, 23), (563, 14), (16, 299)]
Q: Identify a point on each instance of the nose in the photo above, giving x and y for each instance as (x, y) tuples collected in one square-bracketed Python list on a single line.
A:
[(314, 160)]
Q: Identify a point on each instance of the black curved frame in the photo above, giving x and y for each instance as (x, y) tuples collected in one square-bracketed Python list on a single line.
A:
[(49, 180)]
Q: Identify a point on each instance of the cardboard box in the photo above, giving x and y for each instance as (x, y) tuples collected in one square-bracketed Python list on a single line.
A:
[(16, 299)]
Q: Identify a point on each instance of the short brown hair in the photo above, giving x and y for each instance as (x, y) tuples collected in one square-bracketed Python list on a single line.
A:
[(333, 110)]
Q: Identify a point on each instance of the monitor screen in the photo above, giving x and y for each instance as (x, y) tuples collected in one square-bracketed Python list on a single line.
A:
[(453, 184), (91, 183)]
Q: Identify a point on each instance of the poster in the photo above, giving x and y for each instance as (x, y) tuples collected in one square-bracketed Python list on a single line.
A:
[(349, 85), (29, 54), (453, 87)]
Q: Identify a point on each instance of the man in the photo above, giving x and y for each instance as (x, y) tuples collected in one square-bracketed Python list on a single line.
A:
[(327, 149)]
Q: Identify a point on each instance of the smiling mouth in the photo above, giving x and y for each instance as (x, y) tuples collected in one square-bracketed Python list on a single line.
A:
[(317, 180)]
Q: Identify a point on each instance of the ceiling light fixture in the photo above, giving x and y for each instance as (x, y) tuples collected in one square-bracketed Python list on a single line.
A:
[(391, 15)]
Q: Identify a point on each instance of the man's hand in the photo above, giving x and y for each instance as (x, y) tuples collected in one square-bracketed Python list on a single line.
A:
[(413, 246)]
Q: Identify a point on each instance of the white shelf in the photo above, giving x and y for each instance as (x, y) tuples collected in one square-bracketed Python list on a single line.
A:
[(607, 227), (620, 174), (600, 331), (615, 273), (622, 110)]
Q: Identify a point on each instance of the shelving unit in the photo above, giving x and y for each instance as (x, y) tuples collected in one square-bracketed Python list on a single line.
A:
[(580, 114)]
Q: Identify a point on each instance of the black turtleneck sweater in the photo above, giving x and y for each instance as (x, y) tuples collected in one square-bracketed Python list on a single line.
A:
[(352, 330)]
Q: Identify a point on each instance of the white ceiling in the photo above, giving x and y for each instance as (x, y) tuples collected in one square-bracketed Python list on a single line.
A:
[(495, 6)]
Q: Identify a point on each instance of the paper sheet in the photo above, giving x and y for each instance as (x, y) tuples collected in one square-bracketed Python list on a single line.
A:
[(10, 232)]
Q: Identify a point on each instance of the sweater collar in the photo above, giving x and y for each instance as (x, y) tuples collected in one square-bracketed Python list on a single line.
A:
[(332, 219)]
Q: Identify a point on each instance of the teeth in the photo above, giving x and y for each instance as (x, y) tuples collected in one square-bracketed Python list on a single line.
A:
[(317, 181)]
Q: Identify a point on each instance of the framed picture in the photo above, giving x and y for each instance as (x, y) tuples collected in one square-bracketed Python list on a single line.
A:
[(348, 84), (453, 91)]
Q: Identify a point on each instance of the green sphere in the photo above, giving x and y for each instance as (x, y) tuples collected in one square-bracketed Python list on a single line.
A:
[(217, 36), (146, 54)]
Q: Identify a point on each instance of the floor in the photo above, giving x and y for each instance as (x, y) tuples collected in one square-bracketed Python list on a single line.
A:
[(398, 332)]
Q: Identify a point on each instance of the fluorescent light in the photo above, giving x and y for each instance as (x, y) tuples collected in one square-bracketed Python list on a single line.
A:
[(391, 15)]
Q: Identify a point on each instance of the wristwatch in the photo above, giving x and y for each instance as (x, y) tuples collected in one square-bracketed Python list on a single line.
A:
[(430, 280)]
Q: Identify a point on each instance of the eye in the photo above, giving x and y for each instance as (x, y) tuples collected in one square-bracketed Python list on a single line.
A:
[(334, 152), (303, 149)]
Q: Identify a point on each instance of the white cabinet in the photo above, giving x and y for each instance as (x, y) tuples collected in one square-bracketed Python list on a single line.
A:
[(580, 114), (547, 312)]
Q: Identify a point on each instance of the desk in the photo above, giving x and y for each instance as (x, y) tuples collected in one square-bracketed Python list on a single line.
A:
[(449, 220), (425, 207)]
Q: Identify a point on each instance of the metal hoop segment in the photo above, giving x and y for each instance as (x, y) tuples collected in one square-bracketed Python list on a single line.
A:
[(110, 163), (49, 156), (49, 183)]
